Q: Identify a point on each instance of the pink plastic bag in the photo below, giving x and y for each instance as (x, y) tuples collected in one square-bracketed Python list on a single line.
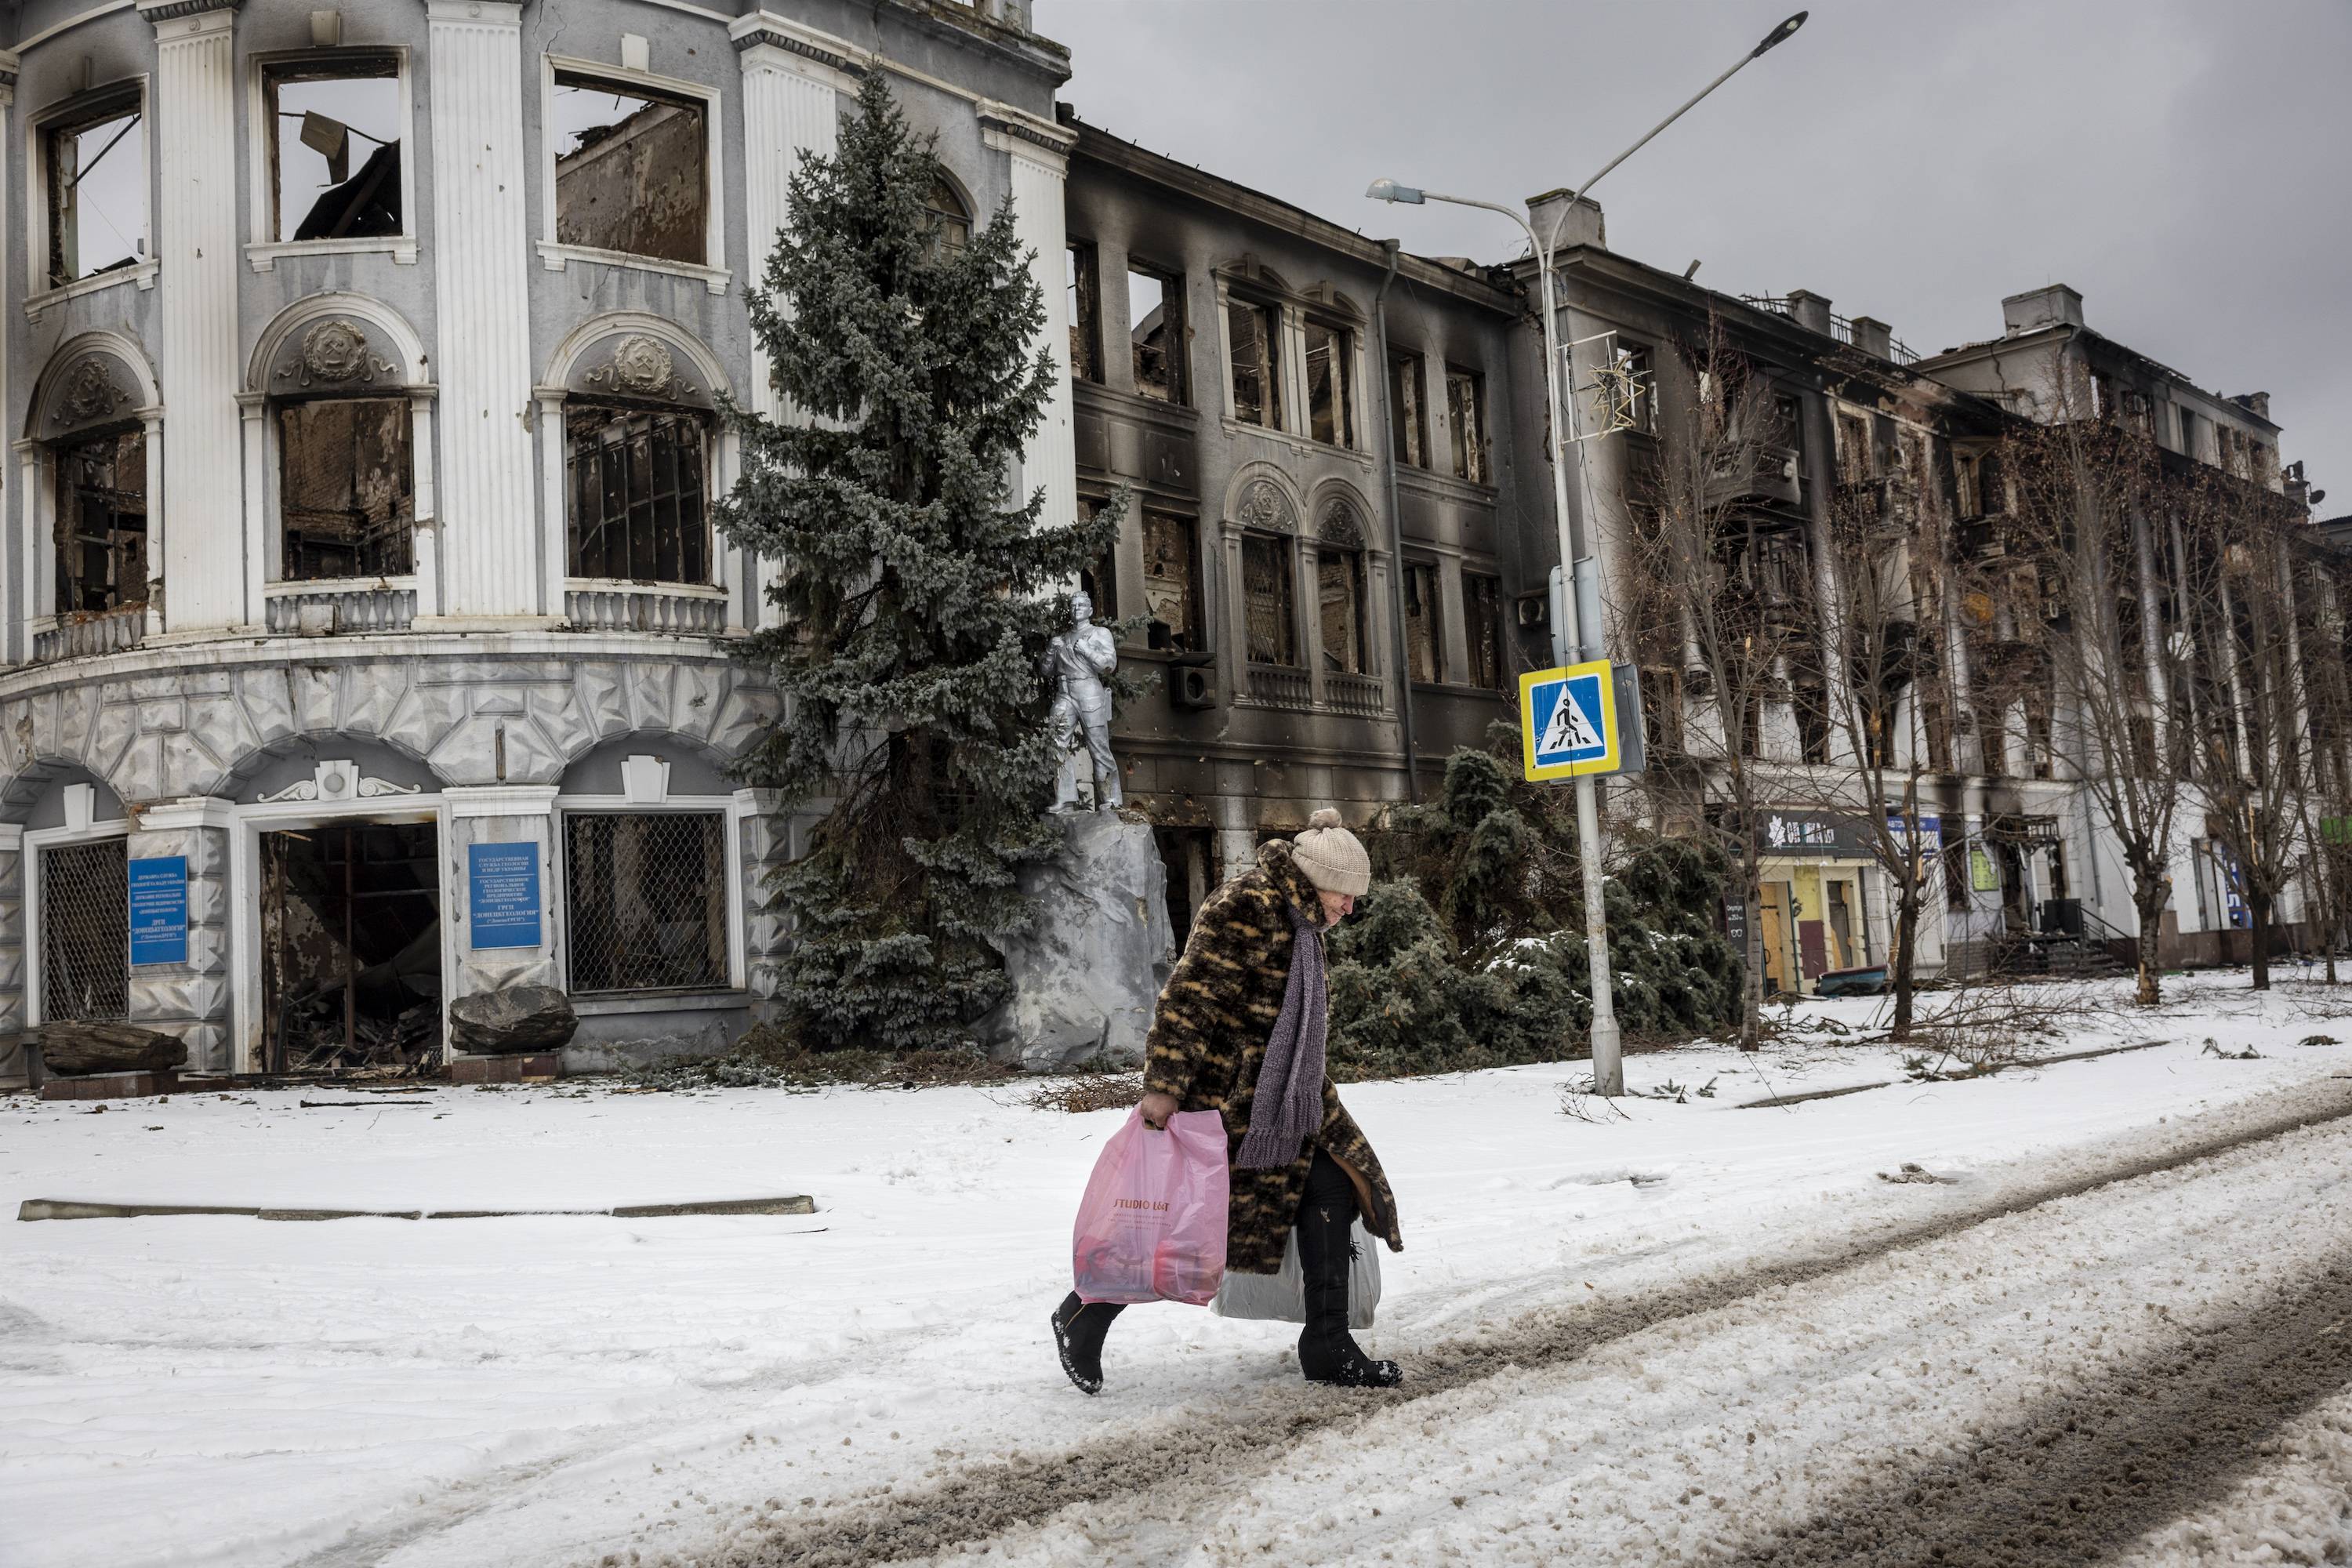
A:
[(1152, 1224)]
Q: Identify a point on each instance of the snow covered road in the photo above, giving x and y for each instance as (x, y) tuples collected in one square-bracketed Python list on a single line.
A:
[(1596, 1316)]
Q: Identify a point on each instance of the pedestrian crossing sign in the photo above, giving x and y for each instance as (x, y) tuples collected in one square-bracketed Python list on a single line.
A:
[(1568, 721)]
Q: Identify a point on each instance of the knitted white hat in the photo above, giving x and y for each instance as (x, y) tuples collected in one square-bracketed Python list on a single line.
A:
[(1333, 858)]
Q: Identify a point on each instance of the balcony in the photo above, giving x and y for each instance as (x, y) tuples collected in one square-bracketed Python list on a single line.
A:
[(1280, 685), (675, 609), (1359, 696), (340, 609), (1776, 476), (92, 632)]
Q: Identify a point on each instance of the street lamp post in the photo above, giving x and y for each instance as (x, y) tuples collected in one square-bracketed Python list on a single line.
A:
[(1607, 1053)]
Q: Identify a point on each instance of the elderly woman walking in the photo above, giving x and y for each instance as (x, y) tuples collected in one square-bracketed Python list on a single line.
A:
[(1240, 1031)]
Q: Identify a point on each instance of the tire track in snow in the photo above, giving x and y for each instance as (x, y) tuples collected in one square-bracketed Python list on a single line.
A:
[(1166, 1468), (2078, 1476)]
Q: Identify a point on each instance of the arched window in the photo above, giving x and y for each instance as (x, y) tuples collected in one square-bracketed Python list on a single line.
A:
[(1340, 591), (637, 437), (343, 420), (951, 220), (92, 438)]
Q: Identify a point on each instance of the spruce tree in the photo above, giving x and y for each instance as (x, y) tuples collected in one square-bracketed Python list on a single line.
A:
[(915, 592)]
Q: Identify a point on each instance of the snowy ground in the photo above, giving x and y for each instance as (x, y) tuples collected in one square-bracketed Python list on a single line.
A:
[(579, 1390)]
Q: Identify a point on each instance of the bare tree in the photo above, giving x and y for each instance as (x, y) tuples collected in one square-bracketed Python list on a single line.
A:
[(2114, 640), (2327, 813), (1713, 604)]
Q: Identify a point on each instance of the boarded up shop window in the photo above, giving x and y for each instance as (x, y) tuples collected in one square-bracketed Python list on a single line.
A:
[(1421, 621), (1155, 309), (101, 536), (635, 481), (1171, 583), (95, 171), (1268, 598), (1330, 384), (334, 148), (645, 900), (1257, 396), (631, 170), (345, 487)]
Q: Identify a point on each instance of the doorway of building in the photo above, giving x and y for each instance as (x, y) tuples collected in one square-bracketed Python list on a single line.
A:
[(1773, 930), (350, 944)]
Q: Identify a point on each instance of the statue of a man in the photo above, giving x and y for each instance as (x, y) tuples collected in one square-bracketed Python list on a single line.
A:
[(1078, 662)]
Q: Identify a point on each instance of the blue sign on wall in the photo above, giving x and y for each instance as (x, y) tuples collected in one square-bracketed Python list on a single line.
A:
[(502, 894), (159, 910)]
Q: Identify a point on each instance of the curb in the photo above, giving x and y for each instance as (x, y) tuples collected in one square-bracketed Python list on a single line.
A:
[(71, 1208)]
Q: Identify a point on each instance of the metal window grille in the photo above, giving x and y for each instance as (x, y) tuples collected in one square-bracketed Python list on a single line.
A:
[(85, 933), (647, 900), (637, 482)]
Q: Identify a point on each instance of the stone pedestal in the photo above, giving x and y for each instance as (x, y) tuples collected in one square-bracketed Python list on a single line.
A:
[(1087, 976)]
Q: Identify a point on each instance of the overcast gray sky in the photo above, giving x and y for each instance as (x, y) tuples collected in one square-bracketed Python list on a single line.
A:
[(2184, 165)]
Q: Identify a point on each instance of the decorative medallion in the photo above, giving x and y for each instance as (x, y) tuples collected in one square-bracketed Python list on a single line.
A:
[(90, 394), (642, 367), (1340, 526), (335, 351), (1264, 506)]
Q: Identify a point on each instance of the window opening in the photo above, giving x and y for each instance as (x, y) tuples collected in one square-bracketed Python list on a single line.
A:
[(1465, 410), (636, 481), (101, 527), (1421, 621), (1085, 312), (350, 941), (1171, 583), (97, 179), (345, 487), (1256, 387), (1331, 391), (1100, 581), (949, 219), (85, 933), (1340, 590), (1641, 387), (1155, 307), (335, 148), (1408, 429), (1482, 612), (631, 172), (1268, 598), (645, 900), (1856, 461)]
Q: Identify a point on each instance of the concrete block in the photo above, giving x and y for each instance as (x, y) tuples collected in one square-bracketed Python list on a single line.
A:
[(544, 1067), (112, 1086)]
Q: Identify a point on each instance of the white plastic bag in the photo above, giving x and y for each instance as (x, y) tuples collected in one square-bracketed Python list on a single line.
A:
[(1281, 1297)]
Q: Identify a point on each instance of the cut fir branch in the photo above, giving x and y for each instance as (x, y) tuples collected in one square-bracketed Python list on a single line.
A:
[(914, 591)]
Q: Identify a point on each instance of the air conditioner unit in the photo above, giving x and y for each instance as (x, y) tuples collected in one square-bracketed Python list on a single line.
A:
[(1190, 687)]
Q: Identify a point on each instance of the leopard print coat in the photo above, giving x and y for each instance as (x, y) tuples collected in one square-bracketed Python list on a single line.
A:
[(1208, 1041)]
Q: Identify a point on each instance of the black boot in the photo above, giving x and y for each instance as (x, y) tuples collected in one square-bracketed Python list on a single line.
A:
[(1328, 1352), (1078, 1331)]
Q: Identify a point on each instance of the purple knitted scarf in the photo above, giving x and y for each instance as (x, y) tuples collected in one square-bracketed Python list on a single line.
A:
[(1288, 1108)]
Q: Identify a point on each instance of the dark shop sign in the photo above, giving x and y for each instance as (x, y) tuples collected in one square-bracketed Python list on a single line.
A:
[(1812, 833)]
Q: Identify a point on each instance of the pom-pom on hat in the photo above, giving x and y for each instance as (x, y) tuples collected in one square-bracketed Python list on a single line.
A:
[(1333, 858)]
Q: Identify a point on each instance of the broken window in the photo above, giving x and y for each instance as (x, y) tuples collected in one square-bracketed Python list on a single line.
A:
[(1421, 656), (1100, 581), (1257, 395), (85, 933), (1993, 485), (636, 481), (334, 147), (1812, 705), (1267, 601), (949, 219), (645, 900), (1789, 425), (1482, 619), (1339, 592), (1466, 411), (631, 170), (345, 487), (1408, 429), (1330, 384), (1155, 313), (1856, 461), (94, 162), (1171, 583), (1084, 311), (101, 529), (2188, 434), (1640, 387)]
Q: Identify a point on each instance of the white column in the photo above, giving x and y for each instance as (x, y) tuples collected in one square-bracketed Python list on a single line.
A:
[(425, 536), (201, 559), (1039, 152), (492, 554), (26, 601), (555, 526), (790, 112), (14, 608), (253, 408), (159, 514)]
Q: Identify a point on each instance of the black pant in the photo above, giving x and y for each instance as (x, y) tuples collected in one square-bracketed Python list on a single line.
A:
[(1325, 1221)]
